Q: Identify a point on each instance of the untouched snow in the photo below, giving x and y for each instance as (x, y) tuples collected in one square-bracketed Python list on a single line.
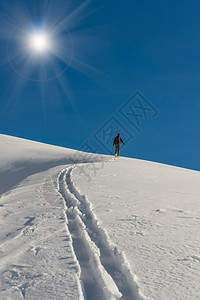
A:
[(81, 226)]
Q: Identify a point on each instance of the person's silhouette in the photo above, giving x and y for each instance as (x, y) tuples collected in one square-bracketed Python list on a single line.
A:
[(117, 142)]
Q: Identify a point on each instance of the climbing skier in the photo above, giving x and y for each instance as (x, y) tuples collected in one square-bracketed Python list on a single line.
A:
[(117, 142)]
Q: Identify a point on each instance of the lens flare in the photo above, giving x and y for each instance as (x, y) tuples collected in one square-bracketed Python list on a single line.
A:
[(42, 48)]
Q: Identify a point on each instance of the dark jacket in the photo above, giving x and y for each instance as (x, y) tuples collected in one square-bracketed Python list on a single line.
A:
[(118, 140)]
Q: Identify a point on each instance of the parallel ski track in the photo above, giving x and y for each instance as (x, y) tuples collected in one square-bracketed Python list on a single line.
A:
[(102, 265)]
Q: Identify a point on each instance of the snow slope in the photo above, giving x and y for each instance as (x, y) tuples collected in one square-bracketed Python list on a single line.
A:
[(152, 213), (82, 226), (20, 158)]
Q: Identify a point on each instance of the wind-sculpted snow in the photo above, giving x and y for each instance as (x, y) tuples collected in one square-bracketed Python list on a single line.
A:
[(105, 273)]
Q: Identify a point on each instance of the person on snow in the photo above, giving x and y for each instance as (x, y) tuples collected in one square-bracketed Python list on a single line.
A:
[(117, 142)]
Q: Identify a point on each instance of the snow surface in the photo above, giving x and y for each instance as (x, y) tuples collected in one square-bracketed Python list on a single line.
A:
[(81, 226)]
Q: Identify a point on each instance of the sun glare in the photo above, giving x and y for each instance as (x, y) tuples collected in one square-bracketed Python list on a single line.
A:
[(39, 43), (42, 48)]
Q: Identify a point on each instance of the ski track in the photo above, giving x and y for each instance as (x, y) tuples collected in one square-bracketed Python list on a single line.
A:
[(104, 270)]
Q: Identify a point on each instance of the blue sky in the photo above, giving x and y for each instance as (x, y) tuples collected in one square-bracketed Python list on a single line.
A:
[(110, 50)]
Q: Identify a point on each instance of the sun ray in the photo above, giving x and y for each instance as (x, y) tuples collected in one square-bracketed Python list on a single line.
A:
[(71, 18), (44, 45)]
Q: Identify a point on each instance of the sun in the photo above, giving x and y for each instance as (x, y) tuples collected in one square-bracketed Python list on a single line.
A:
[(39, 42), (42, 48)]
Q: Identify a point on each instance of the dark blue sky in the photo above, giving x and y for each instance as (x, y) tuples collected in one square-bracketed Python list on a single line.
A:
[(116, 49)]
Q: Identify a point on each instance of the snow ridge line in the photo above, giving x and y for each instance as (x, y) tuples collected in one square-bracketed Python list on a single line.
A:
[(96, 283), (113, 260)]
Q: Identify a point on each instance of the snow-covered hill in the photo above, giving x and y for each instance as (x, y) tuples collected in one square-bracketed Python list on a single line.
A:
[(81, 226), (20, 158)]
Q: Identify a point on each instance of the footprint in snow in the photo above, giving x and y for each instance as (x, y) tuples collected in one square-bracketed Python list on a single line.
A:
[(190, 258), (160, 210), (35, 250), (114, 197)]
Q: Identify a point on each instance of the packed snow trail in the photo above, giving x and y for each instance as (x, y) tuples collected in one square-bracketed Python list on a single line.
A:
[(105, 273), (96, 283)]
